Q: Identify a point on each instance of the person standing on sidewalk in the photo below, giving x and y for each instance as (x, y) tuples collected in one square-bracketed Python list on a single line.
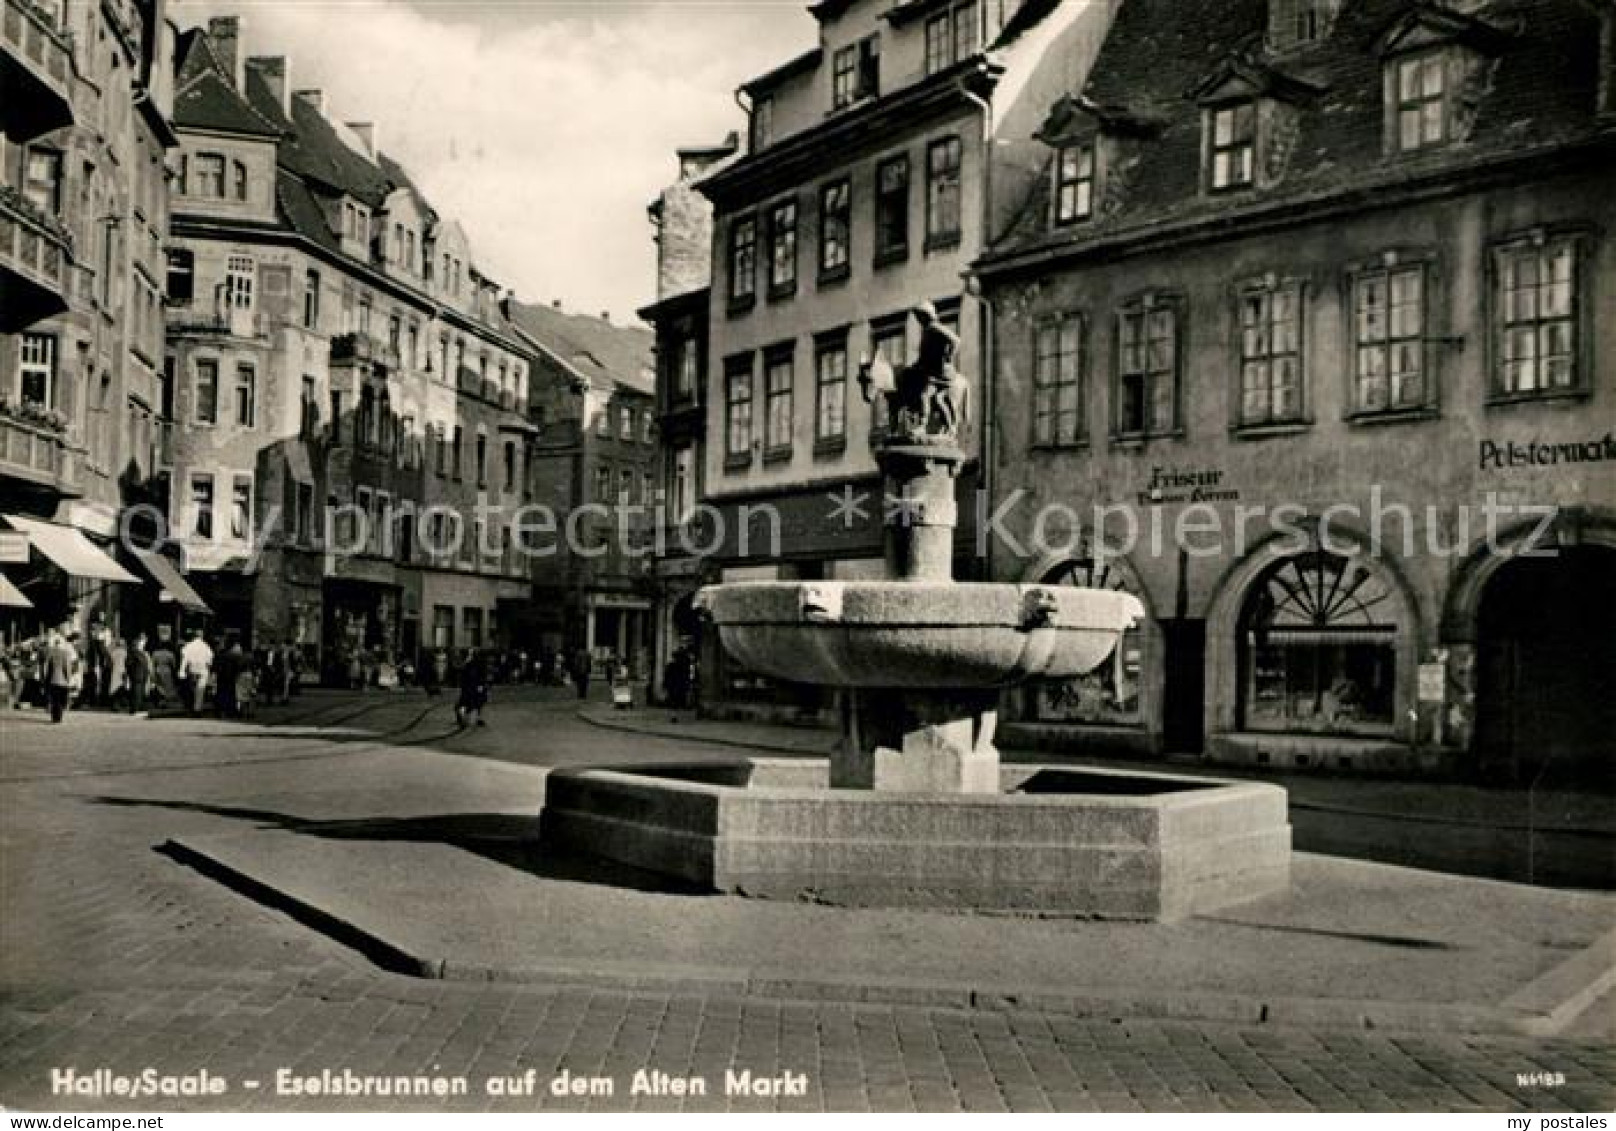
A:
[(138, 671), (60, 669), (196, 662), (582, 665)]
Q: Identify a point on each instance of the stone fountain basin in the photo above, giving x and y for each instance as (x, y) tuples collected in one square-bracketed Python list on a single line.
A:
[(916, 634)]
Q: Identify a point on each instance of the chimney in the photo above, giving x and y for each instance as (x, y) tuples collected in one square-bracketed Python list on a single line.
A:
[(366, 132), (555, 304), (315, 98), (275, 73), (224, 34), (606, 317)]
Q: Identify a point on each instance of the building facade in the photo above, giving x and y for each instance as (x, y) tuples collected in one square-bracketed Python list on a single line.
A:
[(590, 557), (875, 172), (353, 441), (683, 221), (84, 201), (1314, 302)]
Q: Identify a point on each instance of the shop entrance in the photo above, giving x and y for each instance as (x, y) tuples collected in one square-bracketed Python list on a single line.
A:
[(1546, 669)]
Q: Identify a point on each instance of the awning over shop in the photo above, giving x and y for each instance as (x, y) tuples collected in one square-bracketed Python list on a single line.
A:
[(75, 554), (11, 597), (174, 587)]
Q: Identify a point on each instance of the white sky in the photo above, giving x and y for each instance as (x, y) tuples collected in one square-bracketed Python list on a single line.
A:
[(544, 127)]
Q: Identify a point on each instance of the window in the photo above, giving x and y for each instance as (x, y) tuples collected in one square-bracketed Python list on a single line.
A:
[(336, 417), (1147, 369), (36, 371), (762, 121), (482, 460), (238, 282), (1058, 366), (647, 427), (943, 192), (303, 520), (42, 180), (510, 465), (209, 175), (311, 300), (181, 283), (1296, 23), (603, 421), (783, 248), (1389, 339), (1271, 354), (246, 396), (892, 209), (889, 341), (625, 487), (442, 626), (1537, 318), (207, 391), (830, 401), (471, 624), (743, 260), (835, 218), (414, 344), (202, 504), (685, 367), (1234, 145), (308, 408), (440, 452), (1422, 100), (951, 36), (625, 423), (856, 72), (395, 334), (239, 178), (603, 484), (454, 452), (1109, 694), (1074, 183), (684, 483), (778, 409), (364, 314), (1319, 654), (738, 408)]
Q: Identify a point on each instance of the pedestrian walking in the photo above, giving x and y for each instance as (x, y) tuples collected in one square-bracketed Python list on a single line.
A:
[(196, 664), (228, 670), (60, 673), (138, 672), (473, 690), (117, 672)]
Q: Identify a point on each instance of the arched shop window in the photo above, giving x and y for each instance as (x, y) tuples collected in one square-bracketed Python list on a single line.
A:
[(1319, 656), (1110, 693)]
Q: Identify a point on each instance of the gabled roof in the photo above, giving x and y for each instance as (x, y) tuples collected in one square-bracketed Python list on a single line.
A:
[(206, 100), (605, 354), (1539, 94)]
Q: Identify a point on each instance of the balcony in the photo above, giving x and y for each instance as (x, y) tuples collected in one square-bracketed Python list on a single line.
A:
[(35, 252), (355, 346), (36, 71), (36, 453)]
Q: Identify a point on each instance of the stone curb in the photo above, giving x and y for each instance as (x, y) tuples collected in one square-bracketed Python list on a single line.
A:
[(1540, 1009)]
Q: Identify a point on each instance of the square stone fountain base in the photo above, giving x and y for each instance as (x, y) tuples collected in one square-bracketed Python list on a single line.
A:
[(1086, 842)]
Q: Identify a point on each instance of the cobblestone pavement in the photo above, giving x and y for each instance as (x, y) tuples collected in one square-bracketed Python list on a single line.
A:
[(113, 956)]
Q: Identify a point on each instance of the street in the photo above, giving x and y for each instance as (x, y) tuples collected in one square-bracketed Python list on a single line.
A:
[(117, 957)]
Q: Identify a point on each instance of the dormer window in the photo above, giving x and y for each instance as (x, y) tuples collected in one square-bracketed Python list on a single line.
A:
[(1422, 100), (1233, 146), (1074, 183), (856, 72), (1297, 23), (762, 122), (950, 36)]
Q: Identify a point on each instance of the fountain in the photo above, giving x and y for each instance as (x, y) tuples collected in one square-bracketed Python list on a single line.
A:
[(914, 808)]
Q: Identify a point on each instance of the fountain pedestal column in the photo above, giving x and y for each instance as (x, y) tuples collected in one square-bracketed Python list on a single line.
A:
[(918, 741)]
